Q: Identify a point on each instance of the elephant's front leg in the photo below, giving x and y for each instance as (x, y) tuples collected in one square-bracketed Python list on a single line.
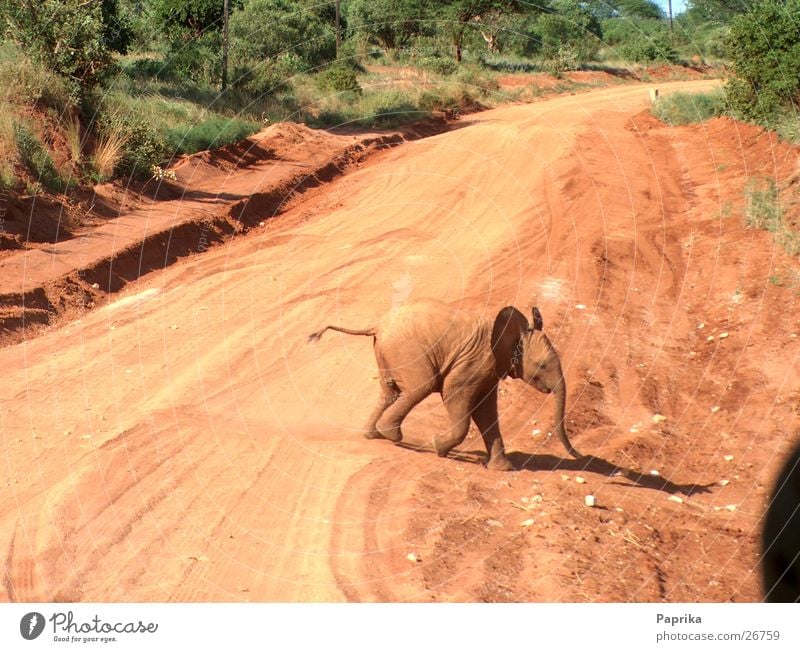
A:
[(486, 418)]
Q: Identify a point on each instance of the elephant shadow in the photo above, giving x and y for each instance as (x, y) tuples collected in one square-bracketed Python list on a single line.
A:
[(588, 464)]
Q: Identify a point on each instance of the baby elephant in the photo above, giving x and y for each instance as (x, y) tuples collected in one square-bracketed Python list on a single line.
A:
[(428, 347)]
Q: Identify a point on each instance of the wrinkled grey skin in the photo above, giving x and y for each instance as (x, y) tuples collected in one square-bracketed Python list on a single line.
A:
[(428, 347)]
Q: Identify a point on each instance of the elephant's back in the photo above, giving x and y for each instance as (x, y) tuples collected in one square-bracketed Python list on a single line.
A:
[(427, 328), (423, 317)]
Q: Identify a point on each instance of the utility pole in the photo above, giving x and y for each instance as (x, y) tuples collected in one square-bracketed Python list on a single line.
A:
[(224, 44), (669, 9), (338, 30)]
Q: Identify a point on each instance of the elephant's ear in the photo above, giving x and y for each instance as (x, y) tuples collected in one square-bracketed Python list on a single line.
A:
[(509, 325)]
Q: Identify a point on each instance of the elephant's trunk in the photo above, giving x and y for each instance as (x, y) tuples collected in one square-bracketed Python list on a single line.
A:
[(560, 395)]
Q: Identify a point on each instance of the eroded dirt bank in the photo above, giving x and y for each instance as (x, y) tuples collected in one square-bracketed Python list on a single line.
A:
[(184, 442)]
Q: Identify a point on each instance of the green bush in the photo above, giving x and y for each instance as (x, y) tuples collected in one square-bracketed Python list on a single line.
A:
[(569, 37), (649, 49), (762, 208), (390, 109), (144, 147), (67, 36), (35, 157), (339, 77), (199, 59), (765, 58), (263, 78), (686, 108), (562, 59), (710, 41), (215, 131), (392, 24), (148, 68), (640, 40), (273, 29), (438, 64), (24, 81), (478, 81)]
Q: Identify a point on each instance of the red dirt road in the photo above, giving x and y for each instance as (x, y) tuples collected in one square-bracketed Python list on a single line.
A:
[(185, 443)]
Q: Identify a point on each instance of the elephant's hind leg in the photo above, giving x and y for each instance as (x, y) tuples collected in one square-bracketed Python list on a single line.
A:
[(485, 417), (390, 392), (388, 425), (458, 409)]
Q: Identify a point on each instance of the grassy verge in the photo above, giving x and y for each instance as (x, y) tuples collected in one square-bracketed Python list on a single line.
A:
[(763, 210), (8, 149), (34, 155), (686, 108)]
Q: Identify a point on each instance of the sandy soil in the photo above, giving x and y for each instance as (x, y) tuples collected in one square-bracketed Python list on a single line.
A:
[(185, 443)]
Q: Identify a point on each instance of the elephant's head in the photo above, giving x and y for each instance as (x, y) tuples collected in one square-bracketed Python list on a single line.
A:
[(523, 351)]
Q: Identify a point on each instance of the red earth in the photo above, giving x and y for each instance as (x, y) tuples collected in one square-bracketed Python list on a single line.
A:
[(171, 435)]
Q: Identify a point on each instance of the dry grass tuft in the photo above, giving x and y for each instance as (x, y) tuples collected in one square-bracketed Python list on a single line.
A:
[(108, 153)]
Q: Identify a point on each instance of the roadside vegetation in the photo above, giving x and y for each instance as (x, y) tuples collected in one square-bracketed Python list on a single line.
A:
[(765, 209), (106, 89), (760, 42)]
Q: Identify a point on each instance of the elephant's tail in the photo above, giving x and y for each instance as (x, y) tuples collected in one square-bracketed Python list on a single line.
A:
[(366, 331)]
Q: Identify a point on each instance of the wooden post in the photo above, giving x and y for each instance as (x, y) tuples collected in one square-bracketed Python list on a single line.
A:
[(338, 30)]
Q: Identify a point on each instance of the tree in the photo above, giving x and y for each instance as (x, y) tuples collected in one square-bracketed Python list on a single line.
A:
[(117, 30), (640, 9), (569, 33), (270, 29), (67, 36), (717, 11), (458, 15), (182, 20), (764, 47), (392, 24)]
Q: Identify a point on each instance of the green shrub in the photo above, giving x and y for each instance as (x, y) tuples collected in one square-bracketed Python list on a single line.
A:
[(339, 77), (144, 145), (148, 68), (762, 210), (265, 30), (390, 109), (260, 79), (569, 37), (686, 108), (8, 148), (648, 49), (67, 36), (560, 60), (390, 23), (24, 81), (438, 64), (765, 58), (711, 42), (35, 157), (436, 101), (215, 131), (198, 60)]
